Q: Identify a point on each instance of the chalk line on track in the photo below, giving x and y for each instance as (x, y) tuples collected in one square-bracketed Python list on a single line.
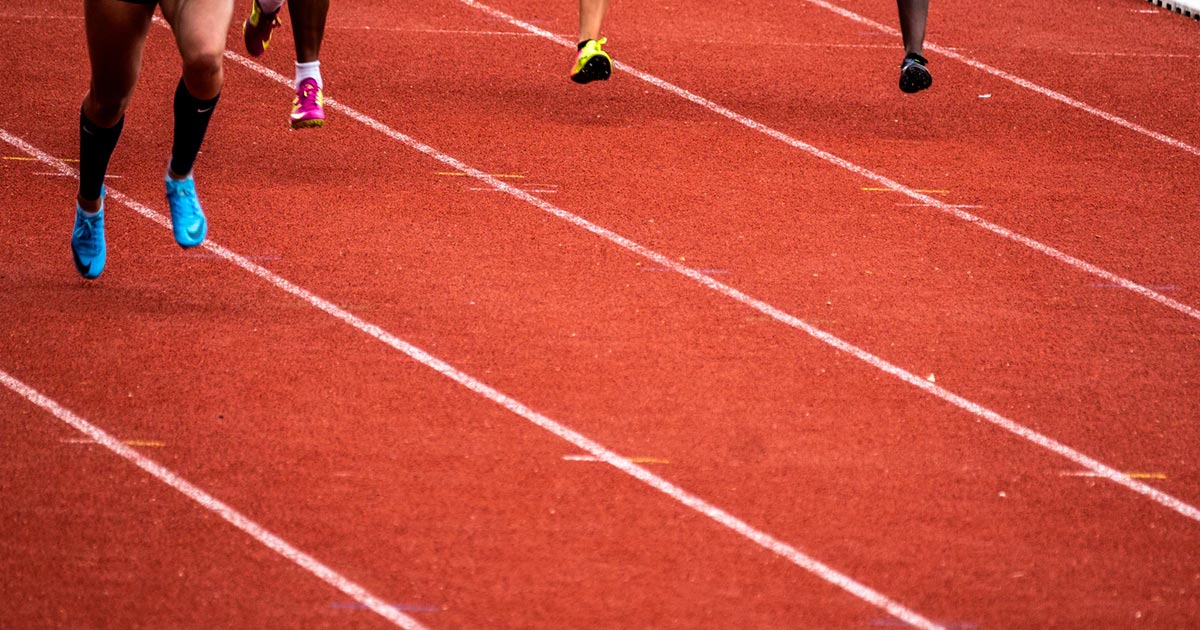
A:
[(882, 180), (761, 538), (1046, 442), (206, 500)]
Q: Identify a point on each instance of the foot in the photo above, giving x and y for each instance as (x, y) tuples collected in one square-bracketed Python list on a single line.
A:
[(187, 219), (592, 63), (308, 108), (256, 30), (914, 76), (87, 243)]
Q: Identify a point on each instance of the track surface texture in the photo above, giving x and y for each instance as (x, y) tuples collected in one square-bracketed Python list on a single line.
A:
[(494, 350)]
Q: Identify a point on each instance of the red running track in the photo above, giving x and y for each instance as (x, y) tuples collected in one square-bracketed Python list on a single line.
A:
[(462, 514)]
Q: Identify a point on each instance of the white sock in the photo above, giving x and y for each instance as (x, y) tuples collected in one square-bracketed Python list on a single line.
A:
[(270, 6), (309, 70), (90, 215)]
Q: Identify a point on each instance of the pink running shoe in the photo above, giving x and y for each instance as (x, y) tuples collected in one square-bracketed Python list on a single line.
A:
[(308, 108)]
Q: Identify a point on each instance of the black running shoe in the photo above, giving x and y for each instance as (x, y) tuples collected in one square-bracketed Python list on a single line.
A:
[(914, 76)]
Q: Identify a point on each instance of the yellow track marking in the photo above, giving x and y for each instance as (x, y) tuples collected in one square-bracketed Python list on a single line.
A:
[(452, 174)]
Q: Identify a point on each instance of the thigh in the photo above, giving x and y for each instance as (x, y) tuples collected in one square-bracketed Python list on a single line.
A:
[(200, 26), (116, 35)]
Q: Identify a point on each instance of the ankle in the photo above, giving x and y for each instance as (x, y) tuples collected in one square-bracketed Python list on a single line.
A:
[(90, 206)]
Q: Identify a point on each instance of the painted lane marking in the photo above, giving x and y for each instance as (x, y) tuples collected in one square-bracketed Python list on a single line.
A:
[(1166, 288), (207, 256), (1131, 475), (496, 175), (230, 515), (1129, 54), (949, 625), (531, 190), (994, 228), (22, 158), (435, 31), (583, 443), (636, 460), (777, 314), (1011, 78), (402, 607), (952, 205), (142, 443), (106, 176), (786, 44), (710, 272)]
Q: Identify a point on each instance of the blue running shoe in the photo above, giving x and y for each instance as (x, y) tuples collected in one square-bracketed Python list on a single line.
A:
[(87, 243), (187, 219)]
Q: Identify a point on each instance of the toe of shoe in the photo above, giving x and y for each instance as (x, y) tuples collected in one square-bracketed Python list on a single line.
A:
[(192, 233), (89, 269)]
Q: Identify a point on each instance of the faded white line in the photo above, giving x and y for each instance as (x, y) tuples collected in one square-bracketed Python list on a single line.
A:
[(230, 515), (999, 230), (779, 315), (759, 537)]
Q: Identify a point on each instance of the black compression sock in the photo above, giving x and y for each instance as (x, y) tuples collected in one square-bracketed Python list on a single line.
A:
[(191, 123), (581, 44), (96, 146)]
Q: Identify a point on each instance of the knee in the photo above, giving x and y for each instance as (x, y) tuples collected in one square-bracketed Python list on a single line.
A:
[(202, 71), (105, 109)]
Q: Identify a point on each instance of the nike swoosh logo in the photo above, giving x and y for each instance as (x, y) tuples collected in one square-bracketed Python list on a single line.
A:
[(204, 111), (88, 131)]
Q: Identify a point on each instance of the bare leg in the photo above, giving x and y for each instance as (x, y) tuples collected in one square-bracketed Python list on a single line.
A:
[(308, 27), (116, 33), (591, 15), (200, 28), (912, 24)]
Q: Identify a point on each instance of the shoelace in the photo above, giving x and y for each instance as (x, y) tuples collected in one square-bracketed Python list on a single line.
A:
[(86, 232), (177, 191), (308, 94)]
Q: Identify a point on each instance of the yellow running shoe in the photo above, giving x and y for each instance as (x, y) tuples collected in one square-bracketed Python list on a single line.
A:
[(256, 30), (592, 64)]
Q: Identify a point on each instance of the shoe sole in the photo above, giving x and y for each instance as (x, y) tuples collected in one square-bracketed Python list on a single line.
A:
[(914, 79), (596, 69), (308, 124)]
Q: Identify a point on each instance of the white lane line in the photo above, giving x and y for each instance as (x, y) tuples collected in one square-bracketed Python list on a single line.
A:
[(1139, 55), (1135, 475), (230, 515), (861, 171), (1012, 78), (636, 460), (761, 538), (777, 314), (431, 31)]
